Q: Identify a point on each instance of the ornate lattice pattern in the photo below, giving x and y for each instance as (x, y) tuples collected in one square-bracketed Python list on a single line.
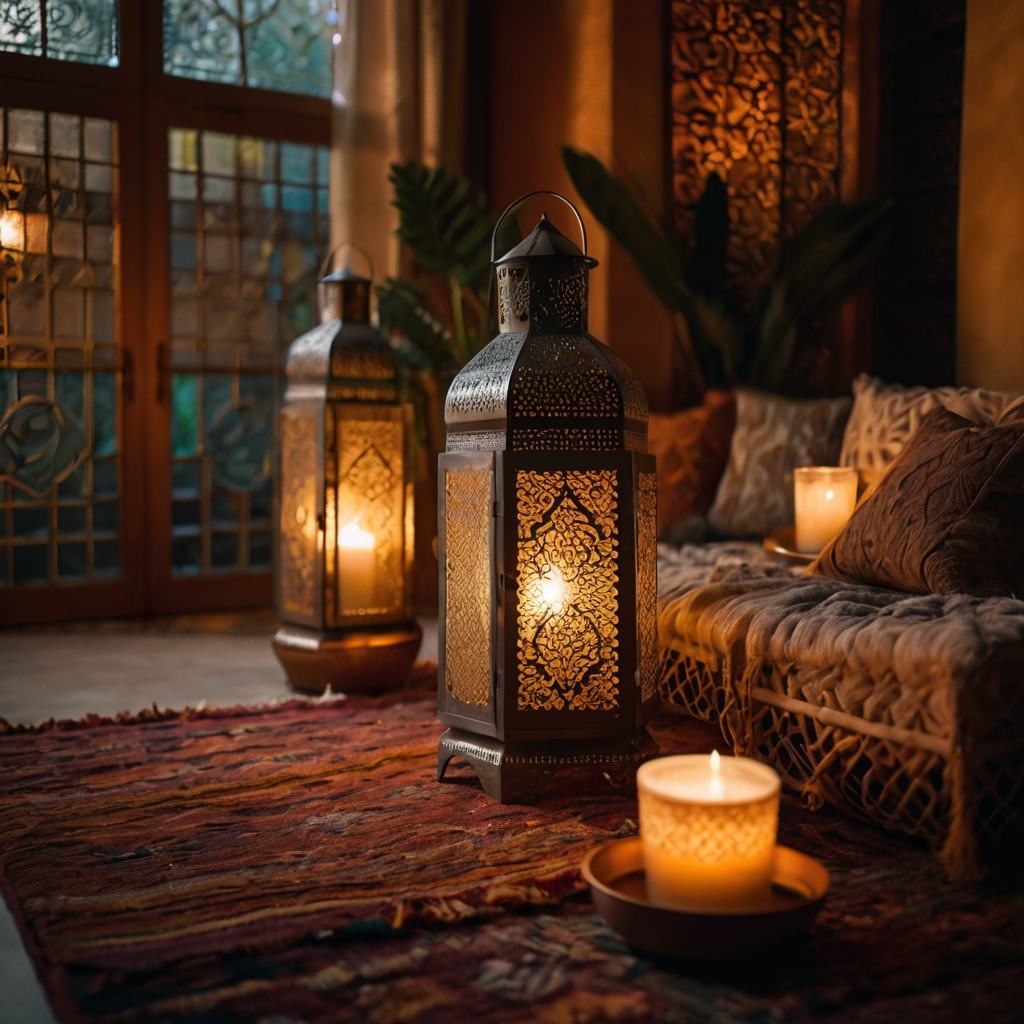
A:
[(480, 390), (467, 610), (647, 582), (560, 375), (267, 44), (755, 97), (80, 30), (899, 785), (371, 488), (476, 440), (565, 440), (709, 833), (568, 623), (298, 512), (558, 301), (60, 444), (513, 296)]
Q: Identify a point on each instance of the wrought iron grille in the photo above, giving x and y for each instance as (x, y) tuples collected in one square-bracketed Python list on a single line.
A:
[(60, 444)]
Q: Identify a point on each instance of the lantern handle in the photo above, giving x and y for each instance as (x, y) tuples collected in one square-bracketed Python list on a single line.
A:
[(341, 245), (530, 195)]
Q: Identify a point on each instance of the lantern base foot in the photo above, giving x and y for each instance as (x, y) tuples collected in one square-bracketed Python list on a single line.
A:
[(518, 773), (369, 659)]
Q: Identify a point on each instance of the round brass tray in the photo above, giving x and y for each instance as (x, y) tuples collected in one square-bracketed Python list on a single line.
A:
[(615, 873), (783, 542)]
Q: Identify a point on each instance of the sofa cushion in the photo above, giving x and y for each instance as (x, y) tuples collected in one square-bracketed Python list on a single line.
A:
[(885, 416), (691, 447), (773, 435), (946, 518)]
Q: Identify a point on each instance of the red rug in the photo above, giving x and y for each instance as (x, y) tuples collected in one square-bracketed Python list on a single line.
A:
[(248, 865)]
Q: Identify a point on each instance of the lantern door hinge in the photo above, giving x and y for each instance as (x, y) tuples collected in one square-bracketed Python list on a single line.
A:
[(495, 509), (506, 582), (321, 521)]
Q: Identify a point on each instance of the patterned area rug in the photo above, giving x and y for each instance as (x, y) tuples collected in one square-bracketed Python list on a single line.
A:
[(300, 863)]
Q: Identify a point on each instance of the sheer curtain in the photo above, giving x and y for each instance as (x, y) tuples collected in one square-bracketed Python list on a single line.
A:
[(399, 71)]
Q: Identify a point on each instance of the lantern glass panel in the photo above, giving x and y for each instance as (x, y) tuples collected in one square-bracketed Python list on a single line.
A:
[(468, 597), (369, 514)]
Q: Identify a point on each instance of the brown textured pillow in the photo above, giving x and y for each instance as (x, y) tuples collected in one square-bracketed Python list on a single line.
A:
[(947, 517), (691, 447)]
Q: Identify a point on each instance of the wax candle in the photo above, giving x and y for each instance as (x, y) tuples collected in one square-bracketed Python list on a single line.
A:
[(824, 498), (357, 569), (708, 827)]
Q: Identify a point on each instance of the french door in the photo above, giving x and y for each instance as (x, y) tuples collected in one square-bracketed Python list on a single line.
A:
[(159, 239)]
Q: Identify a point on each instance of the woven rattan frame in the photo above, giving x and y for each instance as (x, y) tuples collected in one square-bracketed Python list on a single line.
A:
[(960, 788)]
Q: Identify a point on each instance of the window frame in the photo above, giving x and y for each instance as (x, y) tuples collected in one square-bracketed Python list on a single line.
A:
[(147, 103)]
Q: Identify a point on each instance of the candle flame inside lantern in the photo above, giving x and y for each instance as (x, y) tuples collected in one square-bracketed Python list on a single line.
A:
[(553, 591), (829, 494), (354, 538)]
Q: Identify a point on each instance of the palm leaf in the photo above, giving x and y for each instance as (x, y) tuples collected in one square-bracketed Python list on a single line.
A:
[(624, 219), (443, 220), (422, 340), (822, 265)]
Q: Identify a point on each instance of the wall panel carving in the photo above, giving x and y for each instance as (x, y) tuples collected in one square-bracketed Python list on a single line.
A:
[(755, 96)]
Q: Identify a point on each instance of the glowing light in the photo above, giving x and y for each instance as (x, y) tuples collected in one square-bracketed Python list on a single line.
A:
[(337, 38), (829, 494), (716, 785), (12, 232), (354, 538), (553, 591)]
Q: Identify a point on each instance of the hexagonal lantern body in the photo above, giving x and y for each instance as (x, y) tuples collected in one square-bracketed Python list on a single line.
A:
[(345, 507), (547, 540)]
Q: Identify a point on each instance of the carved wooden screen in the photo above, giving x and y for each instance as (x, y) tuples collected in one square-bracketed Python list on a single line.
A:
[(755, 96)]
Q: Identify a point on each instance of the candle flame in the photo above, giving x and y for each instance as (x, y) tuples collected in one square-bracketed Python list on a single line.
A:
[(829, 494), (716, 762), (354, 538), (11, 234)]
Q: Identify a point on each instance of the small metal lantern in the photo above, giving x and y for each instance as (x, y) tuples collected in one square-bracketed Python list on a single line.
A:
[(345, 513), (547, 540)]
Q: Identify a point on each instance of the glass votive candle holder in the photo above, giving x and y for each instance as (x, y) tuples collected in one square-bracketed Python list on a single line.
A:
[(708, 827), (824, 498)]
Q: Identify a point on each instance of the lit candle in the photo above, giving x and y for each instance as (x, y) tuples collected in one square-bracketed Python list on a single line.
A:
[(708, 827), (357, 567), (824, 498)]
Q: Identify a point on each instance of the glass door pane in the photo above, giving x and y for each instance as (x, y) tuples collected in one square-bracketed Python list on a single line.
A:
[(61, 485), (248, 232)]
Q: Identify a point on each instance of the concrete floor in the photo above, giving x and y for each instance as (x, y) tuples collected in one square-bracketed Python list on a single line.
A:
[(103, 670)]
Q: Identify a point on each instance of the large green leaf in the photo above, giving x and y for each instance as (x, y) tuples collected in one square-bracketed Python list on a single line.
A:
[(821, 266), (446, 223), (422, 340), (621, 215), (711, 237)]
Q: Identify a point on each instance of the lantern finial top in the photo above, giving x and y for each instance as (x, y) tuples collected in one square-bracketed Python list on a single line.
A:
[(546, 240)]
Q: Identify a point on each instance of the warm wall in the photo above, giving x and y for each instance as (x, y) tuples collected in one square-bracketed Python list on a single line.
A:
[(588, 73), (990, 295)]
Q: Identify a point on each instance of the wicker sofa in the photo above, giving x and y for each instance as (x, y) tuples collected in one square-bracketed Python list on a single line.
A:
[(905, 710)]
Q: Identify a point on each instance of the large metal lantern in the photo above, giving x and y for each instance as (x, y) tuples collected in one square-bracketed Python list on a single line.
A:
[(345, 512), (547, 540)]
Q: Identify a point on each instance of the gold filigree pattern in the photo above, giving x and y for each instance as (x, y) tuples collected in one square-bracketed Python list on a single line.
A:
[(755, 97), (568, 602), (371, 488), (298, 512), (647, 583), (467, 606), (568, 439), (513, 296), (709, 832), (561, 375)]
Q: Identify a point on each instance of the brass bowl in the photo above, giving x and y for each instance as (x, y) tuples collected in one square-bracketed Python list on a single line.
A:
[(783, 543), (618, 886)]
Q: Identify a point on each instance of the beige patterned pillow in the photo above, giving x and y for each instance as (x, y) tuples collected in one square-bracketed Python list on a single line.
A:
[(773, 436), (886, 416)]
